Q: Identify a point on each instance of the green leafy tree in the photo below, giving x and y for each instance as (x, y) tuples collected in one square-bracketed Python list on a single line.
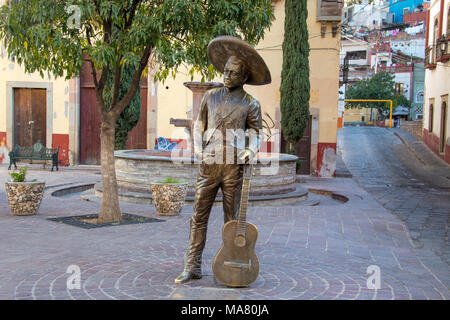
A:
[(47, 36), (401, 100), (380, 86), (294, 90), (351, 2)]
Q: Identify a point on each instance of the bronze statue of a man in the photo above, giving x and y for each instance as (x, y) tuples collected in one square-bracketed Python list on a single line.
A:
[(223, 114)]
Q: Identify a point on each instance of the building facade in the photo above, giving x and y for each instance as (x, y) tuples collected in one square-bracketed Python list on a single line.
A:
[(400, 8), (436, 121), (32, 109), (369, 15)]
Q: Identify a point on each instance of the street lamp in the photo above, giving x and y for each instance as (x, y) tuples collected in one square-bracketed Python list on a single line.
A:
[(443, 54)]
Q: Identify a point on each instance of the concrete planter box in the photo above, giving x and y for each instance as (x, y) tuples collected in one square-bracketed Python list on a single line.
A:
[(168, 198), (24, 198)]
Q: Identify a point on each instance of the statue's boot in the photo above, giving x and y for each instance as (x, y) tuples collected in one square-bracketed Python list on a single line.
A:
[(187, 275), (193, 256)]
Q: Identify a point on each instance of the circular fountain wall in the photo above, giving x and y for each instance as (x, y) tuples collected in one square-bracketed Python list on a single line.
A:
[(273, 182)]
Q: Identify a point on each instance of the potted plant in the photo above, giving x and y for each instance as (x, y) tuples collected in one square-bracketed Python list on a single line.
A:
[(24, 197), (168, 196)]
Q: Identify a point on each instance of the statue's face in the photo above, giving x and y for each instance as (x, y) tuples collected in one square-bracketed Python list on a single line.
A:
[(234, 73)]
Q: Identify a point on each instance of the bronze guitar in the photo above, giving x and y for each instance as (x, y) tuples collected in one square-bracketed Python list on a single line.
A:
[(236, 263)]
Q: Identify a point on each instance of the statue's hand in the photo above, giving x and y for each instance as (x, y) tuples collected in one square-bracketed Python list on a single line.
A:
[(246, 155), (204, 157), (198, 155)]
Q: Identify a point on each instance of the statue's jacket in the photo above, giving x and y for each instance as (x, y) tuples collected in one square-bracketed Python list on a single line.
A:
[(223, 113)]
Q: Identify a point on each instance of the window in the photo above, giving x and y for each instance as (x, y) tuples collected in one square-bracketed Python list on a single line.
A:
[(405, 11), (435, 32), (443, 133), (399, 88), (430, 120), (354, 55), (435, 39)]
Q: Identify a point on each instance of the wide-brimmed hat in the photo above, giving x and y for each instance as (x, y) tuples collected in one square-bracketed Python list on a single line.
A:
[(220, 49)]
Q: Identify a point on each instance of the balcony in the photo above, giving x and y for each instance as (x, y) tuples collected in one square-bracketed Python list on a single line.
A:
[(442, 49), (329, 10), (396, 69), (430, 57), (381, 48)]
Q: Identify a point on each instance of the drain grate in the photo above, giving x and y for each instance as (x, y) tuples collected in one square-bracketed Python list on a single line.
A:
[(83, 221)]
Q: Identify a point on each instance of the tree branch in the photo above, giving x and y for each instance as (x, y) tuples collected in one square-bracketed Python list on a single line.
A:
[(93, 70), (132, 12), (117, 75), (117, 109)]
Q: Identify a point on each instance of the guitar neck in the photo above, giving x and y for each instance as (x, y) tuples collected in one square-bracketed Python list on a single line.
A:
[(242, 218)]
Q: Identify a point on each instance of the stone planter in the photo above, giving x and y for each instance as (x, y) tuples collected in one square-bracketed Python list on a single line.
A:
[(168, 198), (24, 198)]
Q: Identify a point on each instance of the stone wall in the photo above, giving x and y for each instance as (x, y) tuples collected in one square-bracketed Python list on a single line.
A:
[(414, 127)]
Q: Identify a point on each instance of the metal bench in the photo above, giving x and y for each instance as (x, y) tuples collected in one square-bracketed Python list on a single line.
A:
[(35, 152)]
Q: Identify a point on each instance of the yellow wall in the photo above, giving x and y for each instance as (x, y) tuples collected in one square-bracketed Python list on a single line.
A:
[(355, 115), (324, 75), (174, 100)]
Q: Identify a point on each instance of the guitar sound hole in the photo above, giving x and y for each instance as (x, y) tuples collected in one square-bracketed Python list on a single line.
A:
[(239, 241)]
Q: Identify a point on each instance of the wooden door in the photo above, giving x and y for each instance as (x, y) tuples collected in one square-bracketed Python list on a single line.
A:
[(303, 149), (30, 116), (90, 121)]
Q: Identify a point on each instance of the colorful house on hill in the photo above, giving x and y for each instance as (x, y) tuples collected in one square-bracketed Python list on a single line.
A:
[(400, 8)]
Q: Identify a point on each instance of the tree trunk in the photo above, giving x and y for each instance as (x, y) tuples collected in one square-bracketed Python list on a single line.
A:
[(110, 210), (380, 113)]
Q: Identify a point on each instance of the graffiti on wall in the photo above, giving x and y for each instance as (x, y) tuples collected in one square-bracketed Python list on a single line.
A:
[(4, 158)]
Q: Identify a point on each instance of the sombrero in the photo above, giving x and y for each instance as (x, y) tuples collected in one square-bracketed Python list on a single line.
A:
[(220, 49)]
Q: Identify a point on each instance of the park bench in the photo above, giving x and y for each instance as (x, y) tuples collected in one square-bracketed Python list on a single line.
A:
[(34, 152)]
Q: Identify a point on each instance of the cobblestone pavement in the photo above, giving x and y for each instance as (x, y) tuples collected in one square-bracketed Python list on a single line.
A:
[(414, 187), (320, 252)]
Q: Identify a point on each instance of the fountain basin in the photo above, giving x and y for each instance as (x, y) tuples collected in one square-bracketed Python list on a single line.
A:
[(274, 179)]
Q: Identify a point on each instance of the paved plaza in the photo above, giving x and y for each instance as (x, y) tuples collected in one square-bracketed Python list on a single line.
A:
[(305, 252)]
